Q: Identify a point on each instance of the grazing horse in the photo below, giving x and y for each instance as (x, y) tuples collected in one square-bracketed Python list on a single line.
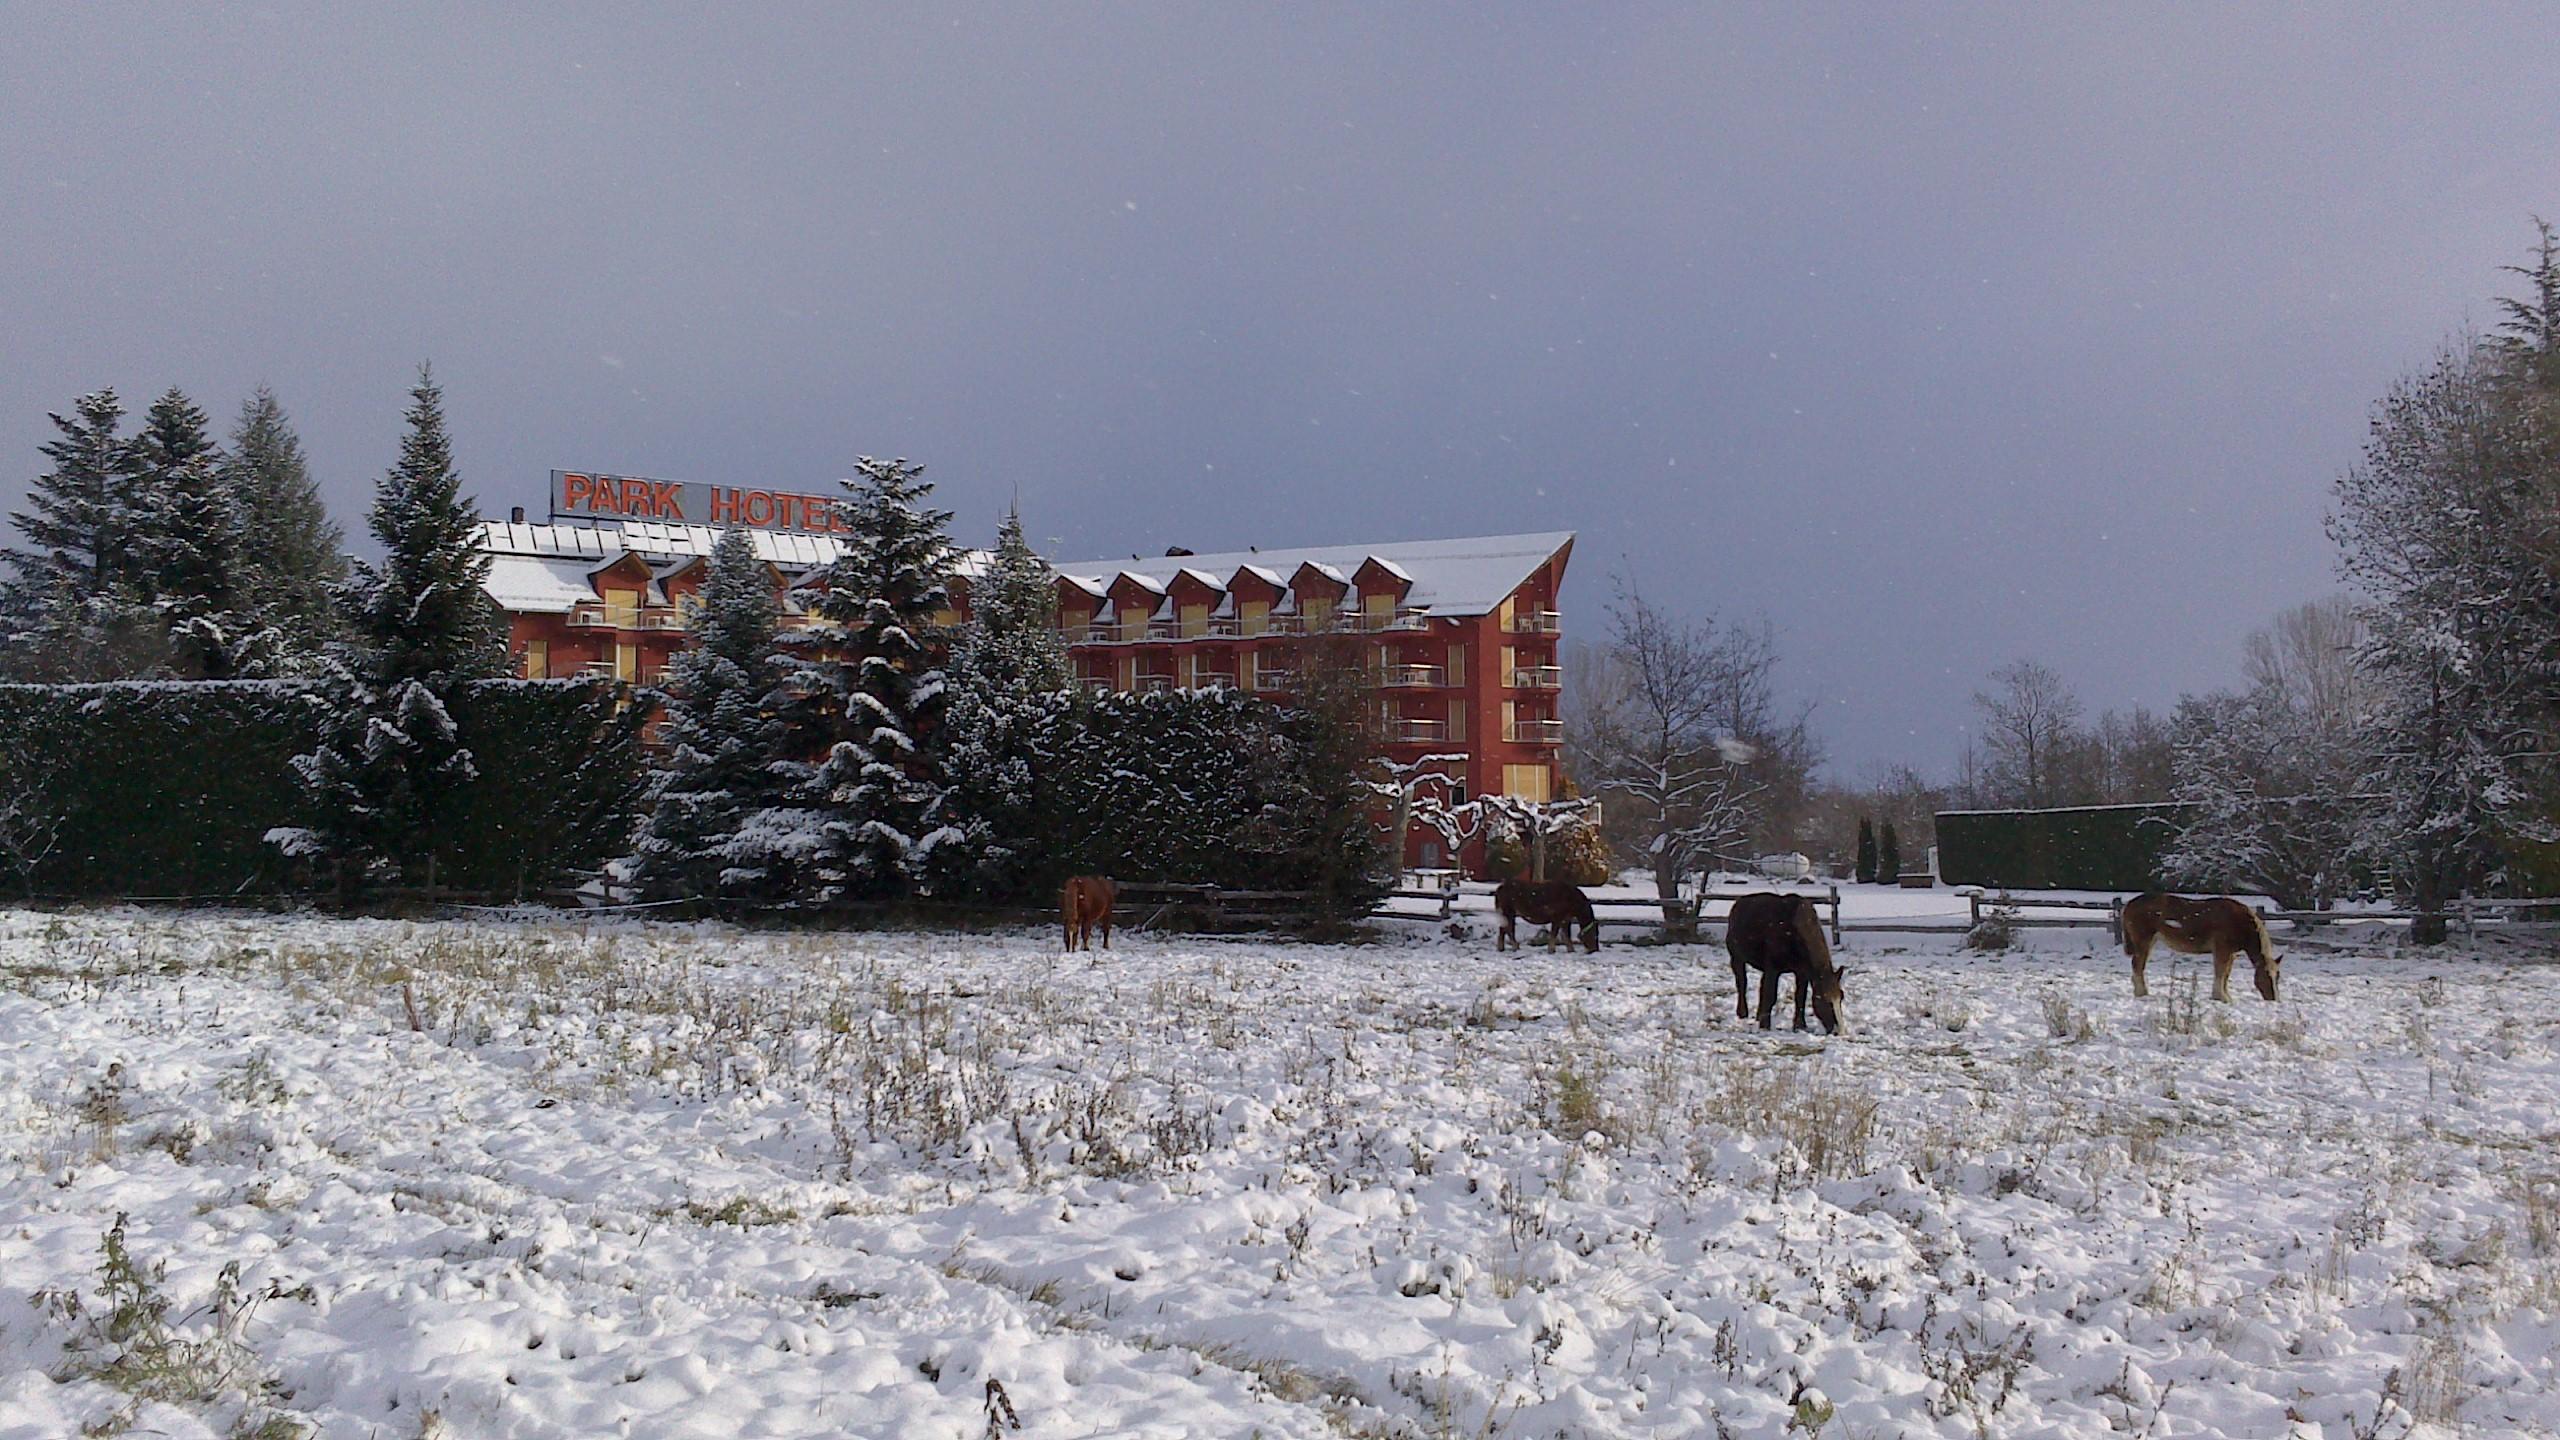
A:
[(1551, 903), (1085, 903), (2223, 926), (1782, 935)]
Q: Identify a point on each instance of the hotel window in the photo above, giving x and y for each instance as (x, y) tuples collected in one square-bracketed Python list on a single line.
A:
[(1526, 782), (1457, 665), (1195, 620), (622, 609), (1255, 612), (626, 662), (1378, 610), (1458, 717), (537, 659), (1319, 610)]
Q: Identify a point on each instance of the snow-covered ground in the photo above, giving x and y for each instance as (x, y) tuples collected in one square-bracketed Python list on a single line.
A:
[(537, 1179)]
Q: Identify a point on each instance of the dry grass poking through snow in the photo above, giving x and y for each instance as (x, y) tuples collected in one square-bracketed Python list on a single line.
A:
[(545, 1179)]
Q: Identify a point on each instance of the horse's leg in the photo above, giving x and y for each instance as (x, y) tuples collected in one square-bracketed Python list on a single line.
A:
[(1507, 936), (1741, 990), (2222, 970), (1768, 996), (1106, 929), (1800, 989), (2139, 943)]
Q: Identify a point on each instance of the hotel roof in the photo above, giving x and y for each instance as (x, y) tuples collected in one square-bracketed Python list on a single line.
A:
[(1468, 576)]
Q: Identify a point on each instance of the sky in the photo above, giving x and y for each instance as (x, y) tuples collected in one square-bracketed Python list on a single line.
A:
[(1938, 341)]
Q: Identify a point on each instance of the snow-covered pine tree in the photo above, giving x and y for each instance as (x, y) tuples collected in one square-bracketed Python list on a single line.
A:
[(1889, 856), (870, 816), (1866, 871), (74, 602), (1008, 667), (2443, 529), (391, 762), (721, 738), (195, 544), (294, 551)]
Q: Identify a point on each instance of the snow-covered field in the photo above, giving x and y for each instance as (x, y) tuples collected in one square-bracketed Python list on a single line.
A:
[(532, 1179)]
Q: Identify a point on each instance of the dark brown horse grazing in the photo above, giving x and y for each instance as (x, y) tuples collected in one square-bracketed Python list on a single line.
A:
[(1085, 903), (2222, 926), (1551, 903), (1782, 935)]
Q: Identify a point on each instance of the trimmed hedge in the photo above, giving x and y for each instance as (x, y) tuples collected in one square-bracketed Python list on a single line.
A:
[(2097, 847), (153, 789), (1195, 786)]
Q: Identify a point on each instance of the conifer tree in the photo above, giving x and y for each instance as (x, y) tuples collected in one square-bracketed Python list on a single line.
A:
[(1866, 871), (1889, 857), (74, 602), (721, 738), (1011, 644), (195, 545), (294, 551), (1009, 665), (871, 815), (391, 763)]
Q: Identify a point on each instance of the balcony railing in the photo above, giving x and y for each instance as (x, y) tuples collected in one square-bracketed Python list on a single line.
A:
[(1098, 684), (1213, 680), (1093, 633), (1418, 732), (1410, 677), (1537, 622), (1220, 627), (599, 616), (1152, 680), (1536, 732), (1538, 677), (1273, 677), (1291, 624), (1401, 620)]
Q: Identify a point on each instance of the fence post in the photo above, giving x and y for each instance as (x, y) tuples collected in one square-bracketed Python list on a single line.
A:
[(1835, 914), (1973, 911), (2115, 918), (2469, 932)]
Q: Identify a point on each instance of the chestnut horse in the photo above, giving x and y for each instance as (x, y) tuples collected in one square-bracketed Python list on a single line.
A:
[(2223, 926), (1782, 935), (1551, 903), (1085, 903)]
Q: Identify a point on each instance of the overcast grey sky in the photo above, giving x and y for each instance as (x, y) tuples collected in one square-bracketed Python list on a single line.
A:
[(2032, 331)]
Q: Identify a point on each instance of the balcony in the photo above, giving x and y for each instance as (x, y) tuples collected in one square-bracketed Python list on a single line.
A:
[(1274, 677), (1291, 624), (1401, 620), (1535, 732), (1413, 677), (596, 615), (1096, 684), (1093, 633), (1220, 628), (1417, 732), (1537, 622), (1152, 680), (1538, 677), (1213, 680)]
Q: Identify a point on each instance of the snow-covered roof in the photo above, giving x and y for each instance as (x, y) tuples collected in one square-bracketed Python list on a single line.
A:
[(1467, 576), (607, 541), (533, 584)]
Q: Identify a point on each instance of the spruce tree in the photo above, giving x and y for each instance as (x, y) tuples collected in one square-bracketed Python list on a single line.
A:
[(1009, 665), (870, 816), (1889, 857), (196, 546), (1866, 851), (295, 552), (75, 601), (721, 738), (391, 764)]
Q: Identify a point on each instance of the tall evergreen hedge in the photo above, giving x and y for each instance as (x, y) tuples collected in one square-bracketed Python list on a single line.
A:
[(162, 789)]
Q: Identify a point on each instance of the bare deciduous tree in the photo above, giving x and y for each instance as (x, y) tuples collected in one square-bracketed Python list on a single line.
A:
[(2027, 724)]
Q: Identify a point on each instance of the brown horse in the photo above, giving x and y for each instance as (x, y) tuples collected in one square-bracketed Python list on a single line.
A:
[(1085, 903), (1782, 935), (1551, 903), (2222, 926)]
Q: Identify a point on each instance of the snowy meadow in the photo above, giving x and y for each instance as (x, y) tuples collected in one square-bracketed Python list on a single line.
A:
[(275, 1177)]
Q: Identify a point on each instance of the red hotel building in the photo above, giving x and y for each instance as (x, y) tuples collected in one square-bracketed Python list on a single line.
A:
[(1463, 633)]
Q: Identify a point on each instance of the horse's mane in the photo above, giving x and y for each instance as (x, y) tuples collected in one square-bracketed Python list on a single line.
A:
[(2258, 918)]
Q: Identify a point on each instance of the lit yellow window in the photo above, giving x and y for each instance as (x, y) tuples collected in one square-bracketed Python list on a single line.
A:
[(1255, 613), (1195, 620), (1378, 608), (1457, 665), (626, 662), (1458, 718), (622, 608), (1526, 782), (537, 659)]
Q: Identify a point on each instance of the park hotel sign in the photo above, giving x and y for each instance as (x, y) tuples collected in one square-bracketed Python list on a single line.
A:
[(594, 495)]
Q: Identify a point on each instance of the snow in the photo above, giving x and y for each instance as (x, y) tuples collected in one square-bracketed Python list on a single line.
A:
[(683, 1180)]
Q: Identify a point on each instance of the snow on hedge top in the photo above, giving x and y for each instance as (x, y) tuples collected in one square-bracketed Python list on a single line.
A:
[(1468, 576)]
